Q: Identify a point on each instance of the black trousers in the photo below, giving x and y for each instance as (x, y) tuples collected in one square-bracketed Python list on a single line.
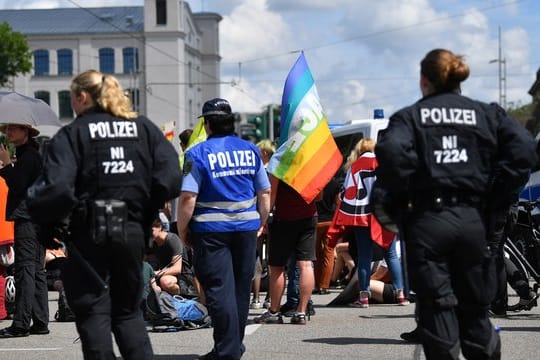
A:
[(31, 293), (452, 272), (103, 286), (496, 239), (224, 264), (507, 273)]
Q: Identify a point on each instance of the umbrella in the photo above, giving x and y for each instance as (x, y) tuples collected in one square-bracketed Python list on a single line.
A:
[(23, 110)]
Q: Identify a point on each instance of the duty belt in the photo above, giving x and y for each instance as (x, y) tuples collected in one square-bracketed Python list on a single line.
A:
[(436, 201)]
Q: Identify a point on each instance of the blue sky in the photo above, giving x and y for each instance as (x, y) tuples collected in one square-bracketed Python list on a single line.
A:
[(363, 54)]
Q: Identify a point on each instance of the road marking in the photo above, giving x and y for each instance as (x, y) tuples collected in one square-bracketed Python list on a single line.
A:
[(30, 349), (250, 329)]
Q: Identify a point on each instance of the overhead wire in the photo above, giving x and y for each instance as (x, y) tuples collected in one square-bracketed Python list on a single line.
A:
[(310, 48), (376, 33), (139, 38), (379, 33)]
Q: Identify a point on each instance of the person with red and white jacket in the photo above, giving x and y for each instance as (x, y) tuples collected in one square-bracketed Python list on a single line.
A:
[(355, 212)]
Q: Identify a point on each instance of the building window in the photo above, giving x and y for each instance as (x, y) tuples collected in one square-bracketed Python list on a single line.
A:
[(161, 12), (106, 60), (65, 62), (41, 62), (190, 74), (43, 95), (131, 60), (135, 98), (190, 112), (64, 104)]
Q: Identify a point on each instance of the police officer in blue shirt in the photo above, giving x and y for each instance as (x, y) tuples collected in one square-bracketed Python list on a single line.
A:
[(223, 205), (454, 161)]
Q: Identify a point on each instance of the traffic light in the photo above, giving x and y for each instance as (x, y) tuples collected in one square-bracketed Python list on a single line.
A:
[(260, 125), (276, 112)]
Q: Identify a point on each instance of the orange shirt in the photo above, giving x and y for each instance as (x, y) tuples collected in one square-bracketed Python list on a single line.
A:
[(6, 227)]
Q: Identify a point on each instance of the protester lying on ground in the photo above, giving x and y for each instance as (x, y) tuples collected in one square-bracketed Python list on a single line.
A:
[(382, 289)]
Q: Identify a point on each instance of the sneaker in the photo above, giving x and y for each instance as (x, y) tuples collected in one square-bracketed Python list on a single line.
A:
[(336, 284), (269, 317), (525, 304), (287, 309), (12, 332), (361, 303), (266, 304), (403, 301), (321, 291), (255, 305), (298, 318)]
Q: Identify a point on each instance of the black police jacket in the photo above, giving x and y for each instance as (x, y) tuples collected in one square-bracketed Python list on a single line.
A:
[(449, 142), (99, 156)]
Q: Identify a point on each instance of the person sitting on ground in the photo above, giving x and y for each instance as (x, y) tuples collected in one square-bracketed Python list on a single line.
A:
[(54, 261), (149, 285), (174, 273), (343, 265), (355, 212)]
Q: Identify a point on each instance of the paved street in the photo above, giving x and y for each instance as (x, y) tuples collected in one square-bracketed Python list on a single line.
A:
[(333, 333)]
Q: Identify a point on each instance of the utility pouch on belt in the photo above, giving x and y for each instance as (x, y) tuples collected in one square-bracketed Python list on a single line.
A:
[(108, 219)]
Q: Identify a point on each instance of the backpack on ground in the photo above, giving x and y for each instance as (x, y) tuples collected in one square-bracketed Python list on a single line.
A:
[(164, 312), (193, 313), (160, 313)]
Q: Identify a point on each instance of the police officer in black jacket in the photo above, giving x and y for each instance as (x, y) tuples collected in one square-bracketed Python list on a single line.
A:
[(110, 170), (439, 156)]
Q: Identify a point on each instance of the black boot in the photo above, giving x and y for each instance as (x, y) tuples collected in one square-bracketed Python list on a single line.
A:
[(64, 313), (413, 337)]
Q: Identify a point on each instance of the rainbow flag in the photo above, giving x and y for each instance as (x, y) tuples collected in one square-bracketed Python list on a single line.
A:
[(307, 157)]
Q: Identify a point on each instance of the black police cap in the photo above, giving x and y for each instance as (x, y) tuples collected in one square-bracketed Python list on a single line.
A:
[(216, 106)]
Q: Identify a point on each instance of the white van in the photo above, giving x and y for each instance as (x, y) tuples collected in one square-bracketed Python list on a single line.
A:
[(347, 135)]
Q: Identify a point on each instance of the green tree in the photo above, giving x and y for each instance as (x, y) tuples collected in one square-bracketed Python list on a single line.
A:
[(528, 115), (15, 55), (521, 113), (533, 123)]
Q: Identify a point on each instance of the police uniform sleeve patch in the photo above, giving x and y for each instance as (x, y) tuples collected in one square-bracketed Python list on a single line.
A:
[(187, 167)]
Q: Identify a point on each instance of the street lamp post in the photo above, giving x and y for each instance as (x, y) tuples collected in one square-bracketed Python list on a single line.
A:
[(502, 74)]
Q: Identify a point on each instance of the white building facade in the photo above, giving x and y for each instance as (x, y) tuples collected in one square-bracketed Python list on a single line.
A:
[(166, 56)]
